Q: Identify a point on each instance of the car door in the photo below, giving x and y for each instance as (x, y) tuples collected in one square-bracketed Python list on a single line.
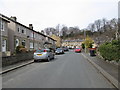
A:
[(52, 53)]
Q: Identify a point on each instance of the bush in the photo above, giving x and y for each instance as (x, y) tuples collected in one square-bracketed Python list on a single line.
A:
[(90, 45), (83, 45), (110, 50), (20, 49), (23, 49)]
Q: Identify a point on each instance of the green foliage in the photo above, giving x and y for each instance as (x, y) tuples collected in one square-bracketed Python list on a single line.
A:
[(83, 45), (110, 51), (88, 42)]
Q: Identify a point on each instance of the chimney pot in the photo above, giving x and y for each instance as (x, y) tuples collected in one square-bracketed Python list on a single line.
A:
[(13, 18), (30, 26)]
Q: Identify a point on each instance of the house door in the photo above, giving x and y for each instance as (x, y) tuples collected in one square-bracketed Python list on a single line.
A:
[(4, 46)]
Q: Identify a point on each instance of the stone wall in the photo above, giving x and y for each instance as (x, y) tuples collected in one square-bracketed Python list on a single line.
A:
[(9, 60)]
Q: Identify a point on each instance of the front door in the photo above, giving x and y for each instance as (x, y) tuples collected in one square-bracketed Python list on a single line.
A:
[(4, 46)]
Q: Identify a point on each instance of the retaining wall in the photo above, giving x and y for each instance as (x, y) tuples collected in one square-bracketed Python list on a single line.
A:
[(9, 60)]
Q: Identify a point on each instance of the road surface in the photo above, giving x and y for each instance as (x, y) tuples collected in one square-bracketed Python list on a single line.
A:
[(70, 70)]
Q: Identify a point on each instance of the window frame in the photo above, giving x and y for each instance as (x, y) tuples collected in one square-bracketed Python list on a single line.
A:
[(2, 25), (18, 29)]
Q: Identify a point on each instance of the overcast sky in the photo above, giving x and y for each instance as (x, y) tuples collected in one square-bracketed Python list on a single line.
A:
[(49, 13)]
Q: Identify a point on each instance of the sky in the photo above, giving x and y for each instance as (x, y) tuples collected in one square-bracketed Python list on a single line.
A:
[(50, 13)]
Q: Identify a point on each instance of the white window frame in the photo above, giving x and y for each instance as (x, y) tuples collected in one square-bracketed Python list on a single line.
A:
[(4, 44), (2, 25), (31, 45)]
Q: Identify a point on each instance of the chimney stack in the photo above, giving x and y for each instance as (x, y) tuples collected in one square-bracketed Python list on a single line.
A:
[(13, 18), (30, 26)]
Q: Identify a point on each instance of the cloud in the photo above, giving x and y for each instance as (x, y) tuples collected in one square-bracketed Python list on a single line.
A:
[(46, 13)]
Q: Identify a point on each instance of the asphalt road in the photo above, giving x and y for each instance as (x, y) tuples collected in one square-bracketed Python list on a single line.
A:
[(70, 70)]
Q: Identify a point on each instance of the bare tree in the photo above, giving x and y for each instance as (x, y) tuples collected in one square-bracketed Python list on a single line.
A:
[(104, 21), (64, 30), (58, 29), (114, 23), (91, 27), (98, 25)]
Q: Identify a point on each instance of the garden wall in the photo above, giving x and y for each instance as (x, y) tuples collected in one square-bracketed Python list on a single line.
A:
[(9, 60)]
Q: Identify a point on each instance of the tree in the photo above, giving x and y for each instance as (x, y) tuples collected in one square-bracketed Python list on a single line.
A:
[(104, 21), (64, 30), (91, 27), (98, 25), (88, 42), (58, 30)]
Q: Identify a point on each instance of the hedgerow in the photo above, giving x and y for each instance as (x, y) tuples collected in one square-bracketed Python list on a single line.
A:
[(110, 50)]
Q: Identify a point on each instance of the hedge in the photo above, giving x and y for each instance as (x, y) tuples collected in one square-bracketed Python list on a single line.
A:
[(110, 50)]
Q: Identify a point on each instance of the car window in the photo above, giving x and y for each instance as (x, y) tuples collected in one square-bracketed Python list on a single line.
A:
[(59, 49), (43, 50), (38, 51)]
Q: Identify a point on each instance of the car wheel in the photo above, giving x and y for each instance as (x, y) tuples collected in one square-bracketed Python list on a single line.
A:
[(48, 59), (53, 57)]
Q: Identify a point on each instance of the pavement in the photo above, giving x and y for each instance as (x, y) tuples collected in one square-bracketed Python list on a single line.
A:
[(109, 70), (15, 66)]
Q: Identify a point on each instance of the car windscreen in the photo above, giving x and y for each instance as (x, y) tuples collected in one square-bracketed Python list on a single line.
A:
[(59, 49), (77, 48)]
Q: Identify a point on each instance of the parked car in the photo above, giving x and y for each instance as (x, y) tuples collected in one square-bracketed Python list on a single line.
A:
[(65, 49), (78, 50), (44, 54), (59, 51)]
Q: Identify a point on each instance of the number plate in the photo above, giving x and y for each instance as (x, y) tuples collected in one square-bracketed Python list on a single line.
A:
[(39, 54)]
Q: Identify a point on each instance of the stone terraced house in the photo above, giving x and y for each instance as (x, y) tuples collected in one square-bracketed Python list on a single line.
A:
[(19, 34)]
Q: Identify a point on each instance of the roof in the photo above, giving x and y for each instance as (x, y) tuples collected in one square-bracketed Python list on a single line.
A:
[(73, 40), (21, 24), (51, 38), (7, 18)]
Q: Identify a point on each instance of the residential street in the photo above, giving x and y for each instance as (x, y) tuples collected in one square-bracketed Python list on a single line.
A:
[(70, 70)]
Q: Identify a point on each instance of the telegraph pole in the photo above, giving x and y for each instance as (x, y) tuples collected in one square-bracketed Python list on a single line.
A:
[(33, 40), (85, 39)]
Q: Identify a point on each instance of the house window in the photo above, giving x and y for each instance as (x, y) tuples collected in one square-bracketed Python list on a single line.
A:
[(17, 42), (18, 29), (23, 43), (2, 26), (4, 45), (31, 45), (22, 31)]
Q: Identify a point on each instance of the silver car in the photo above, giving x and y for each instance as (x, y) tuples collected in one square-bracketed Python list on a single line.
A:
[(44, 54)]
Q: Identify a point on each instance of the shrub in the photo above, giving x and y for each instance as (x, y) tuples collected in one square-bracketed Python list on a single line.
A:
[(110, 50), (18, 49), (23, 49), (83, 45)]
